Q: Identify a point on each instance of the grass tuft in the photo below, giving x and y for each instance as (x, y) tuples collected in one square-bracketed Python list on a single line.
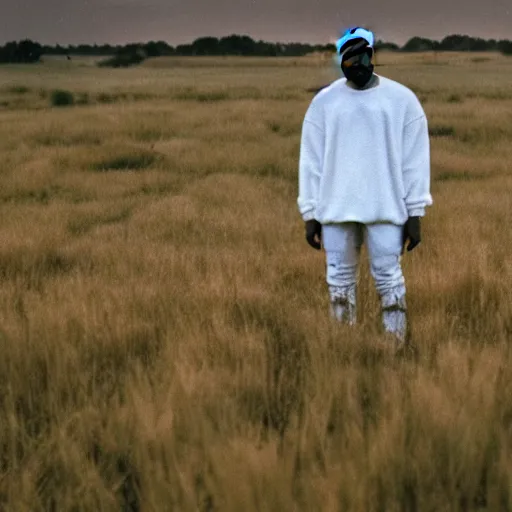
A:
[(82, 224), (130, 161), (460, 176), (454, 98), (202, 97), (61, 98), (107, 98), (31, 269), (18, 89), (441, 131)]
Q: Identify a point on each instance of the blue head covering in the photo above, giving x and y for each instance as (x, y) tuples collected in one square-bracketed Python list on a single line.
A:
[(352, 34), (345, 41)]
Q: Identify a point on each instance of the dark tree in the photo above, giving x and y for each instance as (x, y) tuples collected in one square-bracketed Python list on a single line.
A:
[(206, 46), (463, 43), (383, 45), (158, 49), (237, 45), (126, 56), (420, 44), (24, 52), (505, 47)]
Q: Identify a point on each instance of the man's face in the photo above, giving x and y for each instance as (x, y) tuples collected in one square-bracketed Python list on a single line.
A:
[(359, 59), (356, 64)]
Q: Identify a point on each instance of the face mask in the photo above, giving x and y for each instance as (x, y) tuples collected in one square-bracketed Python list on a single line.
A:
[(358, 68)]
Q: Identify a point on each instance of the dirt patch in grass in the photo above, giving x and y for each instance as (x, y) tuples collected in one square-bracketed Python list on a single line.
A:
[(128, 161), (441, 131), (17, 89), (50, 139), (460, 176)]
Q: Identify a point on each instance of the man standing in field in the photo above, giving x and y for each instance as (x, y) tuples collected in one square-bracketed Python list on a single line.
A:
[(364, 176)]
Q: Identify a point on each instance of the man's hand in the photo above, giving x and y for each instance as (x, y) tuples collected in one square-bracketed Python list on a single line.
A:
[(314, 234), (412, 233)]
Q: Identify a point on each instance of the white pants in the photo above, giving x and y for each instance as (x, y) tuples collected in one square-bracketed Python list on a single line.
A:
[(342, 244)]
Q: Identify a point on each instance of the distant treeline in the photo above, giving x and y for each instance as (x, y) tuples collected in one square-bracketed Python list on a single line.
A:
[(29, 51), (458, 43)]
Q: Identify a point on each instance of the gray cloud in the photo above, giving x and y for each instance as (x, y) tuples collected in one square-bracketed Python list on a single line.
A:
[(175, 21)]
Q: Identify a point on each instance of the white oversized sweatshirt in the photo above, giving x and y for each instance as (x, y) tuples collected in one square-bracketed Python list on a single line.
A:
[(365, 155)]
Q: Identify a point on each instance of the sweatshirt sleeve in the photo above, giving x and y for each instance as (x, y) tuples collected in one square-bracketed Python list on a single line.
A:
[(416, 167), (310, 168)]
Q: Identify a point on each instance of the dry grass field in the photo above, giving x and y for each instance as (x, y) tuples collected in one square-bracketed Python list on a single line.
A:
[(164, 333)]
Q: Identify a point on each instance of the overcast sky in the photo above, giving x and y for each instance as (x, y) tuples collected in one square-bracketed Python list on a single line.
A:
[(181, 21)]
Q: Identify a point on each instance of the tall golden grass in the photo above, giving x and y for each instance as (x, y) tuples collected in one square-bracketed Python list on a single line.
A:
[(164, 338)]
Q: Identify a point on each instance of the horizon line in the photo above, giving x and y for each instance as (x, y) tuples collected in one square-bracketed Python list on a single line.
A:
[(235, 34)]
